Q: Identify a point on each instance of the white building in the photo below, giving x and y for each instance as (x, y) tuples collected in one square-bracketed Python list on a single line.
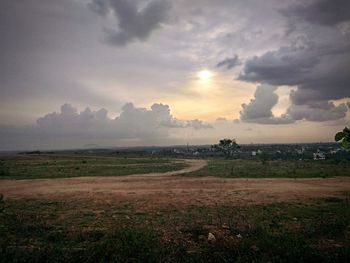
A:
[(319, 156)]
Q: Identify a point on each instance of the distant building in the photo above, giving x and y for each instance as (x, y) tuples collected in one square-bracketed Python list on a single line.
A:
[(253, 153), (300, 151), (319, 156), (335, 151), (176, 151)]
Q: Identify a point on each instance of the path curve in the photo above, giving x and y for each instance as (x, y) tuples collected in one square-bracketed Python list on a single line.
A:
[(25, 187), (193, 165), (160, 189)]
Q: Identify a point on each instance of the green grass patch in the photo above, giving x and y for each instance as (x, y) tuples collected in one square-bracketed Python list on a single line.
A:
[(51, 166), (239, 168), (58, 231)]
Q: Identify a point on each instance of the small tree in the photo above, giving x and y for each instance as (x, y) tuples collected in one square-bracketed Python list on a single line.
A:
[(263, 157), (343, 137), (227, 147)]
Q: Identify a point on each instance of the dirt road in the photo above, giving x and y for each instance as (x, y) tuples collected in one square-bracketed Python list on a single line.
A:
[(167, 188)]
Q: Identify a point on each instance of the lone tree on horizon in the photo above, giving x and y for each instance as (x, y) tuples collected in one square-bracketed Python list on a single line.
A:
[(227, 147)]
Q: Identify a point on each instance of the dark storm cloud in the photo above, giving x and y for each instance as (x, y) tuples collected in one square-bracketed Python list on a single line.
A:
[(133, 23), (230, 63), (325, 112), (100, 6), (321, 12), (286, 66), (316, 61), (259, 110), (320, 74)]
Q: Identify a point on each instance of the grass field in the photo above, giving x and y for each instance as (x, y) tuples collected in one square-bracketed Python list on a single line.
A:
[(71, 231), (272, 169), (51, 166), (168, 218)]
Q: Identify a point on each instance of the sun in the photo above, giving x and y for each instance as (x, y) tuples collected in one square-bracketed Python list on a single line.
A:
[(204, 74)]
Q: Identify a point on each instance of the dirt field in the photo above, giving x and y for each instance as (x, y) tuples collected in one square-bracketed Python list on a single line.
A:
[(153, 190)]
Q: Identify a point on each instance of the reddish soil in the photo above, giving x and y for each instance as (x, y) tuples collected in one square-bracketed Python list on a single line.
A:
[(167, 188)]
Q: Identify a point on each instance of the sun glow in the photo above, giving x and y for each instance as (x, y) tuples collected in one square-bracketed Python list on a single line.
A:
[(204, 74)]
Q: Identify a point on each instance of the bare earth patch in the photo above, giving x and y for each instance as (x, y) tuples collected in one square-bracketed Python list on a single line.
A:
[(158, 189)]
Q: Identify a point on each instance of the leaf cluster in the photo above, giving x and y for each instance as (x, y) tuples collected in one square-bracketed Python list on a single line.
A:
[(343, 137)]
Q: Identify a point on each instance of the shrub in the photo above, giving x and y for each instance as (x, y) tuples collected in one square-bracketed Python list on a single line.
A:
[(2, 203), (128, 245)]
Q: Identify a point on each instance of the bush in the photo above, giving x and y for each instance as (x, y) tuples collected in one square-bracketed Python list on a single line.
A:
[(2, 203), (132, 245)]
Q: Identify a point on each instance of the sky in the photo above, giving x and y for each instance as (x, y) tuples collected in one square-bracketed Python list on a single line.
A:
[(76, 73)]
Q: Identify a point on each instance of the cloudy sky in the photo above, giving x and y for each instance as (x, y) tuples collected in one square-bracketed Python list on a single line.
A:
[(157, 72)]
